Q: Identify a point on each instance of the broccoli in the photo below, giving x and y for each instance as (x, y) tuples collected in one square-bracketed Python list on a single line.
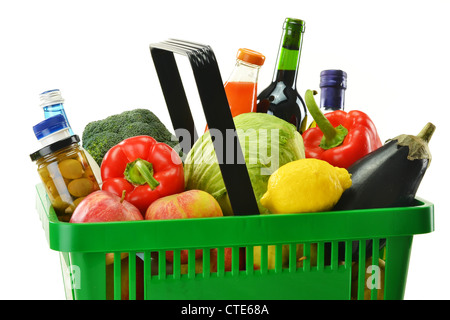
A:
[(100, 143), (101, 135)]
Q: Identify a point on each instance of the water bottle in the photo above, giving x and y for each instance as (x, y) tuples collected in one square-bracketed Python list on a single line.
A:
[(52, 103)]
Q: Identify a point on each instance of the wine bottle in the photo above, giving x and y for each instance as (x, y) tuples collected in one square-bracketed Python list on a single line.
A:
[(281, 98)]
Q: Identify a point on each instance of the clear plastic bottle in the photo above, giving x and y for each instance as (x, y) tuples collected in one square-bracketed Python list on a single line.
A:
[(62, 166), (52, 103)]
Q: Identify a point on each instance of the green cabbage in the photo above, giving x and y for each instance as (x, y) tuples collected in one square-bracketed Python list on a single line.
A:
[(268, 142)]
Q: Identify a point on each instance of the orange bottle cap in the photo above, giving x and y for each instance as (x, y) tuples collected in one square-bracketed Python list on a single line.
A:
[(250, 56)]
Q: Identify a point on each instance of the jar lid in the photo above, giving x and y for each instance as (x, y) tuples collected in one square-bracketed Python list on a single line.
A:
[(50, 125), (58, 145), (333, 78), (50, 97), (250, 56)]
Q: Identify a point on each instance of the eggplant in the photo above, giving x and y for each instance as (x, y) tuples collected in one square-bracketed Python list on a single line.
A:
[(387, 177), (390, 175)]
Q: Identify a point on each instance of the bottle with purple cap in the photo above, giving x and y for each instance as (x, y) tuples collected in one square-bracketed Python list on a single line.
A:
[(333, 83)]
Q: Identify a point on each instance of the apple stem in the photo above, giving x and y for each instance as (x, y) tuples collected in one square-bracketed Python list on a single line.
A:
[(123, 196)]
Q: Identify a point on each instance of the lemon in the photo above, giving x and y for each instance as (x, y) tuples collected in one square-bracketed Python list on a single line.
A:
[(306, 185)]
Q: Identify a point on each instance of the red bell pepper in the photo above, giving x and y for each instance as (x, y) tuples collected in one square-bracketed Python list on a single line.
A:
[(144, 168), (340, 137)]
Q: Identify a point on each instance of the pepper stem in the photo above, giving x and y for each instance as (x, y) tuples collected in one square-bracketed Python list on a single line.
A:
[(140, 172), (332, 137), (427, 132)]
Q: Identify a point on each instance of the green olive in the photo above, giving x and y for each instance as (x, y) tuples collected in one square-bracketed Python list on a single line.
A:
[(80, 187), (88, 173), (56, 186), (77, 201), (70, 209), (51, 189), (44, 174), (53, 170), (71, 169), (59, 204)]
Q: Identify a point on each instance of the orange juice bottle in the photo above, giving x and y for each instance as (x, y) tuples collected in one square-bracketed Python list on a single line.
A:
[(241, 86)]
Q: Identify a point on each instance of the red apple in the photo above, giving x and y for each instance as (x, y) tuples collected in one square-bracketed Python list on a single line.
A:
[(188, 204), (104, 206)]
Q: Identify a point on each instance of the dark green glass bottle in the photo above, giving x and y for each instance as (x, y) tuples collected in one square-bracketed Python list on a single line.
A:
[(281, 98)]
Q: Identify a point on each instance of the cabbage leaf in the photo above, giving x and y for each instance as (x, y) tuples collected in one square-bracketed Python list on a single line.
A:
[(267, 143)]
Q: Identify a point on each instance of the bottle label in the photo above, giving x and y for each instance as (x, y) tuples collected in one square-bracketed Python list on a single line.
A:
[(288, 59)]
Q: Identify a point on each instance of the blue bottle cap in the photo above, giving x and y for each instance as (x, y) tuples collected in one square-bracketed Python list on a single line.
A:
[(333, 78), (50, 125)]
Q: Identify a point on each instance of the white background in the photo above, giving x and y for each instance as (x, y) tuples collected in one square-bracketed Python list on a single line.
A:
[(96, 52)]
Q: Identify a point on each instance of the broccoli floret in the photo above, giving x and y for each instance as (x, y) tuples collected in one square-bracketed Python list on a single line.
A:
[(100, 143), (140, 115), (101, 135), (157, 130), (110, 124)]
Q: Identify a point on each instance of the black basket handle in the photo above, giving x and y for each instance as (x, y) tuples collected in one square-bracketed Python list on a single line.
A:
[(216, 109)]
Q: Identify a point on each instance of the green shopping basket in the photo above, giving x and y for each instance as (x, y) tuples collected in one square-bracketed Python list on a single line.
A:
[(243, 257), (84, 251)]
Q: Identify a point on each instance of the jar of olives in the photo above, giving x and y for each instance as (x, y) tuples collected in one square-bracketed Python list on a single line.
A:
[(63, 169)]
